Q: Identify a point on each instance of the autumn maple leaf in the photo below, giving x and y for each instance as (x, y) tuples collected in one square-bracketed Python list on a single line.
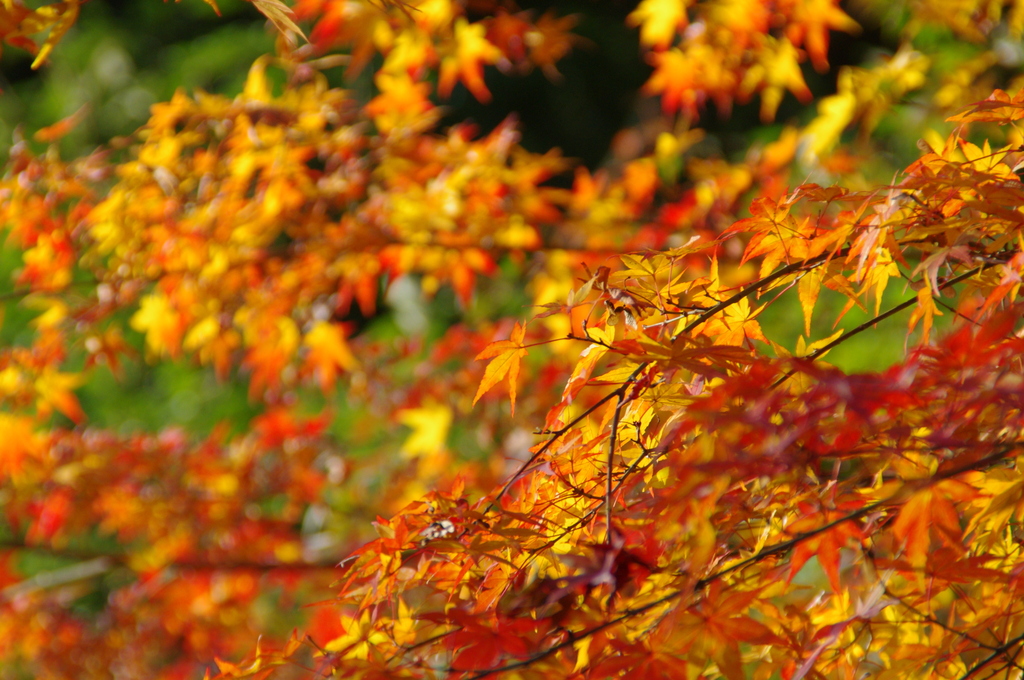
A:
[(280, 15), (659, 20), (812, 22), (471, 51), (507, 355), (778, 70), (17, 23)]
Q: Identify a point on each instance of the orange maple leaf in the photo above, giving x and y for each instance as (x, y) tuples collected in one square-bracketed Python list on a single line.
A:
[(812, 21), (826, 545), (329, 353), (53, 133), (507, 355), (929, 513), (17, 23)]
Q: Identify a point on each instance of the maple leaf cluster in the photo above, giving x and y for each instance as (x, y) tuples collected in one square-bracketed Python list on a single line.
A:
[(667, 522)]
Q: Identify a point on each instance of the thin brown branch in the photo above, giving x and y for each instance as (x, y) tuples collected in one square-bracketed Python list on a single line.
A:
[(881, 317), (562, 430), (756, 286), (20, 293), (933, 620), (612, 439), (91, 563), (1000, 651)]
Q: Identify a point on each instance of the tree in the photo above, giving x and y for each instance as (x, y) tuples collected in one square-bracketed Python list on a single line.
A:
[(570, 402)]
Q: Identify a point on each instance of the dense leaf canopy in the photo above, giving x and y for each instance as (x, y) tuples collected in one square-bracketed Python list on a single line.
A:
[(428, 351)]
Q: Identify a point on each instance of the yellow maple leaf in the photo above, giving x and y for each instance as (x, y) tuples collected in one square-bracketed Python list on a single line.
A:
[(360, 636), (402, 102), (659, 20), (54, 391), (466, 62), (58, 18), (835, 113), (777, 70), (160, 323), (812, 349), (430, 424), (927, 310)]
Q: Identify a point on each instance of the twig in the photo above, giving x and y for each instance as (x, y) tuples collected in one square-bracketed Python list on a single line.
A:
[(611, 460), (94, 563), (1000, 651), (562, 430), (881, 317)]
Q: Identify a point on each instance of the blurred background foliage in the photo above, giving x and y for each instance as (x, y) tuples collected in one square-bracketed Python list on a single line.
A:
[(122, 57)]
